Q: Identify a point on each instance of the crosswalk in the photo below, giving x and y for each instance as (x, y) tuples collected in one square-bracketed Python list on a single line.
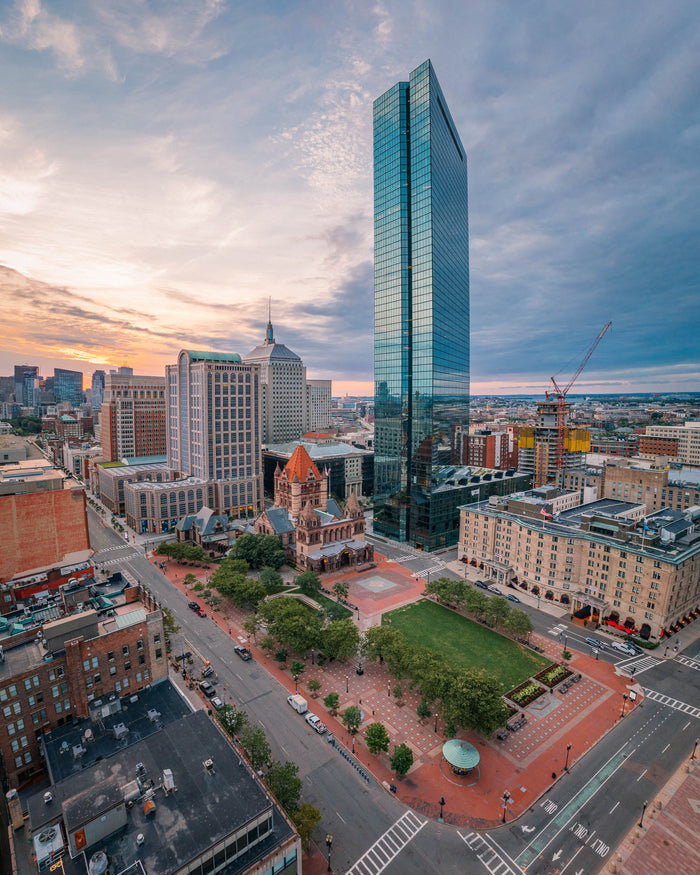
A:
[(691, 663), (434, 571), (486, 851), (556, 631), (637, 665), (388, 846), (684, 707)]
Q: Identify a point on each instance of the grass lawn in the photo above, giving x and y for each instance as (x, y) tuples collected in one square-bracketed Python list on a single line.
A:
[(465, 643)]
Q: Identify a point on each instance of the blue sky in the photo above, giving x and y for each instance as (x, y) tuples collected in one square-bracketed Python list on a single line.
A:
[(166, 167)]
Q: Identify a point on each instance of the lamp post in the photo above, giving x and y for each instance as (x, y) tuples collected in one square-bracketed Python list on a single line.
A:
[(329, 845), (566, 764), (388, 689), (624, 702), (641, 819), (436, 731), (695, 747), (506, 797), (312, 657), (347, 681), (442, 805), (353, 744)]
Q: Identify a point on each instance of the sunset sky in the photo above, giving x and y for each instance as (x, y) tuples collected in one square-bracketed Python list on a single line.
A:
[(166, 167)]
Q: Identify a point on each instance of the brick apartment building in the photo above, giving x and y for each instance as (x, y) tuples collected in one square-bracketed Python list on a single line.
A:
[(77, 664), (132, 416)]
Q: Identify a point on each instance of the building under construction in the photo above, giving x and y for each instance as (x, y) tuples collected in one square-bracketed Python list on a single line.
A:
[(537, 445)]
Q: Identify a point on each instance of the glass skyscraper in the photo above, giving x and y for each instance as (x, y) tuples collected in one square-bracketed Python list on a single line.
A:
[(421, 306)]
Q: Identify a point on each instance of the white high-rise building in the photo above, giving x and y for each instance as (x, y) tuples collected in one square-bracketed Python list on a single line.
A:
[(291, 406)]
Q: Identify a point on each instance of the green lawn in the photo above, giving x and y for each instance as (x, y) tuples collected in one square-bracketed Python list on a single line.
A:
[(465, 643)]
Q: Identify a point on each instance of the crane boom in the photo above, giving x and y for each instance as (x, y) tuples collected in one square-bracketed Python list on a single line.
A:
[(583, 363)]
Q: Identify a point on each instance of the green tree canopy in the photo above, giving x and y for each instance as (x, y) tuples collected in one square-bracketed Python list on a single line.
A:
[(169, 624), (271, 579), (256, 745), (285, 783), (497, 611), (352, 717), (340, 639), (377, 737), (306, 818), (308, 582), (401, 759), (231, 719), (258, 550), (292, 623), (474, 702), (341, 588), (331, 701), (518, 623)]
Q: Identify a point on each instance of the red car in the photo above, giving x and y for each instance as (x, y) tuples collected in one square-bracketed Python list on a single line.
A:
[(201, 613)]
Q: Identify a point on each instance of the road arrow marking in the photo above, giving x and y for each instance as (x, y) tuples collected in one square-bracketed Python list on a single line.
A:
[(527, 828), (556, 856)]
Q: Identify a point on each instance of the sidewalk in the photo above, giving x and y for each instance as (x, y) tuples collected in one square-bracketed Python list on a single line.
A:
[(526, 764), (669, 835)]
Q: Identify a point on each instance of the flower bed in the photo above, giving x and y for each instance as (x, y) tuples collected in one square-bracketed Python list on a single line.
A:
[(526, 693), (553, 675)]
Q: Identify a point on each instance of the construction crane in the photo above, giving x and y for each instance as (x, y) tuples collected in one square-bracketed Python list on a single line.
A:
[(559, 395)]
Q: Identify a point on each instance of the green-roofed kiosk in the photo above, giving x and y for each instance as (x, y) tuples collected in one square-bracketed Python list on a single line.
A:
[(463, 758)]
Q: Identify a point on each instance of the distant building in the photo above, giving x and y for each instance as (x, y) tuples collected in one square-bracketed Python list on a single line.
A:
[(318, 404), (615, 446), (68, 387), (537, 445), (132, 416), (26, 379), (486, 449), (688, 437), (97, 393), (30, 475), (13, 449)]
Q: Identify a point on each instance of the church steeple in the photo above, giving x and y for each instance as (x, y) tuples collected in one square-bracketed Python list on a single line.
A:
[(269, 336)]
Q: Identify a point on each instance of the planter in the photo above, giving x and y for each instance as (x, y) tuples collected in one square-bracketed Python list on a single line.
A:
[(553, 675), (526, 693)]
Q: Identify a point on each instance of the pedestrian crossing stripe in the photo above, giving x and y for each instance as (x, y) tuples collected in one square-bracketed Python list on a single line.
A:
[(637, 666), (388, 846), (689, 661), (669, 702)]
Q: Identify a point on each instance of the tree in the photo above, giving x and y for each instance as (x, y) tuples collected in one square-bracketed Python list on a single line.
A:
[(314, 686), (248, 593), (377, 737), (231, 719), (423, 710), (474, 702), (251, 625), (340, 639), (341, 588), (401, 759), (398, 693), (497, 610), (285, 784), (518, 623), (306, 818), (352, 717), (190, 580), (292, 623), (258, 550), (169, 624), (308, 582), (256, 745), (281, 656), (298, 669), (271, 579), (331, 702)]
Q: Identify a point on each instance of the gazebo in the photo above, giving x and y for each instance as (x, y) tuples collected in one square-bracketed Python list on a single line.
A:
[(463, 758)]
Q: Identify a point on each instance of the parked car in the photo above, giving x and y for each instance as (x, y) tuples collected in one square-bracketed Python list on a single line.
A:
[(595, 643), (193, 606), (315, 723), (207, 689), (512, 598), (243, 652), (481, 584), (624, 647), (492, 588), (201, 613), (207, 671), (217, 703), (298, 703)]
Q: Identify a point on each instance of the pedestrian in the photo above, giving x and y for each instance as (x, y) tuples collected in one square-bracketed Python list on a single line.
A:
[(554, 776)]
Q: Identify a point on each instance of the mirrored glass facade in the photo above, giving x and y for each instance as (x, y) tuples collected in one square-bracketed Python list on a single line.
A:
[(421, 305)]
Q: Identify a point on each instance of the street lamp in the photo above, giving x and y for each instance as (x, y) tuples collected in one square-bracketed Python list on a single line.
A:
[(506, 797), (312, 657), (329, 845), (353, 744), (566, 764), (436, 728), (695, 747), (442, 805), (347, 681), (641, 819), (624, 702)]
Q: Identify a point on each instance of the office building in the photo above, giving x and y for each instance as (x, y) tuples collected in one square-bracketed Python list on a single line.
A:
[(97, 393), (214, 422), (609, 560), (421, 302), (132, 417), (25, 376), (289, 402), (68, 387), (680, 442)]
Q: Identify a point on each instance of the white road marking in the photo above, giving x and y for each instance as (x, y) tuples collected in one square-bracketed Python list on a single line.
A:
[(614, 807), (388, 846), (672, 703), (641, 776), (494, 858), (666, 748)]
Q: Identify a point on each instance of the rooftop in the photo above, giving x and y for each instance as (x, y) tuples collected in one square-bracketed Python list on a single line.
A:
[(316, 451)]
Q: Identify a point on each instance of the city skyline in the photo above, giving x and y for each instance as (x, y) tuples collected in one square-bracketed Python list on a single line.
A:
[(166, 170)]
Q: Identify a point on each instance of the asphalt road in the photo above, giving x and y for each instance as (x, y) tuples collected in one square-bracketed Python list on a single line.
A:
[(573, 828)]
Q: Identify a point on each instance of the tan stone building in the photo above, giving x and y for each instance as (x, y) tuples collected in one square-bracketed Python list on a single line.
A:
[(608, 560)]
